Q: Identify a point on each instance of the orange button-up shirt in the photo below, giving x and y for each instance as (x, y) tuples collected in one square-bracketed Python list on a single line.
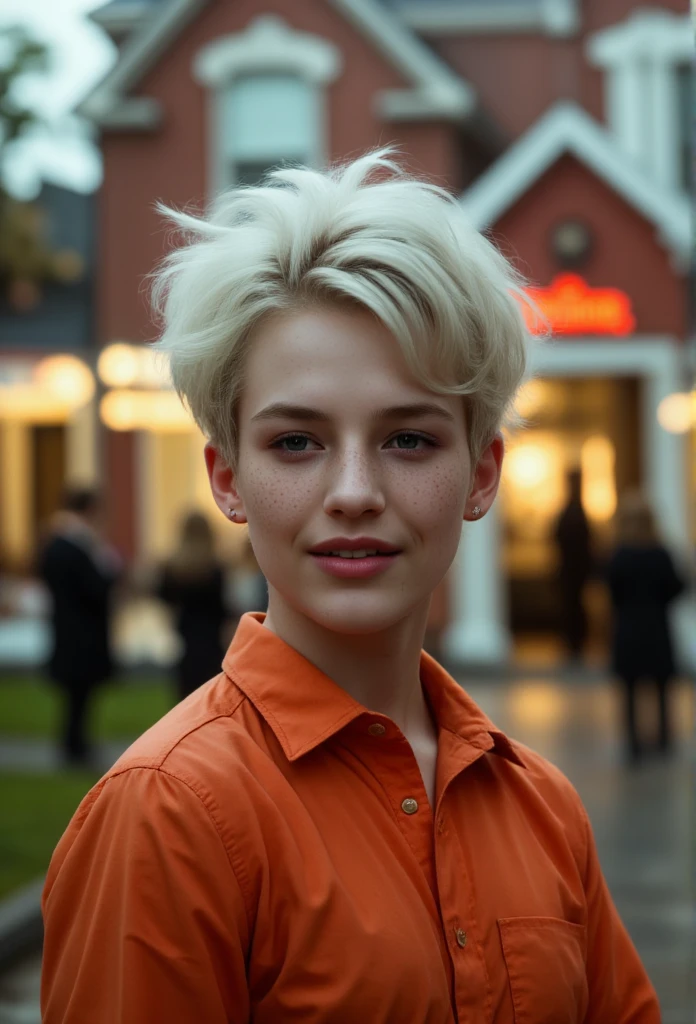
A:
[(267, 852)]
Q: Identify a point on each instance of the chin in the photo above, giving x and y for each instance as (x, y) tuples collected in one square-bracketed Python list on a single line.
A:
[(359, 614)]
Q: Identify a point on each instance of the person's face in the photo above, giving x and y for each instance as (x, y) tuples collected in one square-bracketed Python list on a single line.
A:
[(359, 464)]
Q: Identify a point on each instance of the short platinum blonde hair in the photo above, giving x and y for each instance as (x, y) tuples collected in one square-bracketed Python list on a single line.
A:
[(366, 233)]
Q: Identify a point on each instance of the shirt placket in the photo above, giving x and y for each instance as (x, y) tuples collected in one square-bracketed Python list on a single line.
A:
[(472, 996)]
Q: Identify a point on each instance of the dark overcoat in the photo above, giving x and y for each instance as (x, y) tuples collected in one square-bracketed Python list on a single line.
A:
[(643, 582), (201, 612), (80, 591)]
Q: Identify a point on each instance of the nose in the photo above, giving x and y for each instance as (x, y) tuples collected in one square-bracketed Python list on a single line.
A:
[(354, 487)]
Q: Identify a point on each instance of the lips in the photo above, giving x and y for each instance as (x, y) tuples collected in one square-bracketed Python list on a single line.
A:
[(354, 547)]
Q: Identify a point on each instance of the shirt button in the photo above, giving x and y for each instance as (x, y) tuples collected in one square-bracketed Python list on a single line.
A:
[(376, 729), (460, 935), (409, 805)]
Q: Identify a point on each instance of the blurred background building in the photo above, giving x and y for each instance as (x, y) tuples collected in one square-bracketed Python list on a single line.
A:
[(565, 127)]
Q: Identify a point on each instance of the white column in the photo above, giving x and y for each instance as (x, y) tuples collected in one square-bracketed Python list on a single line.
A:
[(81, 434), (665, 129), (667, 478), (626, 98), (478, 633), (665, 453), (16, 489)]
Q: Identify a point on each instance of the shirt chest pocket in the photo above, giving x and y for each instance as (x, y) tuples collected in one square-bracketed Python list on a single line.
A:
[(545, 960)]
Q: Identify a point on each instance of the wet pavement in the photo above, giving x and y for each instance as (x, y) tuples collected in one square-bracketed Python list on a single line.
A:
[(643, 819)]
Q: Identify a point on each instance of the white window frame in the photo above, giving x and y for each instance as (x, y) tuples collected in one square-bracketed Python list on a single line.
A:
[(268, 46), (640, 57)]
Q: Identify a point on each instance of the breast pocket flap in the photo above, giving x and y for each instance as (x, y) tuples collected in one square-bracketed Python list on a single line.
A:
[(545, 960)]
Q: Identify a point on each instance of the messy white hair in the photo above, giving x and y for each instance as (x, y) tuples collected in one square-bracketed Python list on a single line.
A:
[(367, 233)]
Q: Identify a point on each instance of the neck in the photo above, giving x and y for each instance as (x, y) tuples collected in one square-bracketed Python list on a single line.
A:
[(379, 670)]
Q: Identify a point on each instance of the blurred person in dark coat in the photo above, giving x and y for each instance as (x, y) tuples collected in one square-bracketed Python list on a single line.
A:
[(193, 583), (574, 543), (79, 569), (643, 581)]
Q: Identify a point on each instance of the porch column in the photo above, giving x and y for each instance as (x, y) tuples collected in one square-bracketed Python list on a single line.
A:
[(478, 633)]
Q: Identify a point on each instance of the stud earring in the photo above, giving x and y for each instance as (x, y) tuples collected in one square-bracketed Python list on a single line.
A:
[(231, 512), (476, 510)]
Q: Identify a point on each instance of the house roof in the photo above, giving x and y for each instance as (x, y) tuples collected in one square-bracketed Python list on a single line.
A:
[(434, 89), (567, 128)]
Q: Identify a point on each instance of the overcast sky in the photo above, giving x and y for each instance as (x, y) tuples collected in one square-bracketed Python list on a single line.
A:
[(81, 55)]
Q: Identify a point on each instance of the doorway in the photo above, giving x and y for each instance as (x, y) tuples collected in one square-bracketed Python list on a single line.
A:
[(592, 424)]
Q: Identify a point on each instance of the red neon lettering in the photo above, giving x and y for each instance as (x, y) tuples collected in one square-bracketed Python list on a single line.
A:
[(570, 306)]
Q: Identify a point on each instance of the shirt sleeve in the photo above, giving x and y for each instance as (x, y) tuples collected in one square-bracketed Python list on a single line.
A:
[(619, 988), (144, 918)]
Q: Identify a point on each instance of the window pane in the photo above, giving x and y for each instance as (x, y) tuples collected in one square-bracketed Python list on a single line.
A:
[(687, 121), (250, 172), (268, 118)]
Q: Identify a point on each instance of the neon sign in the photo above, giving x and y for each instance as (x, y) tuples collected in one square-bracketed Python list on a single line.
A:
[(570, 306)]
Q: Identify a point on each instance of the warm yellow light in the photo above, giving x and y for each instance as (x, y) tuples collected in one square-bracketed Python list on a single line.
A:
[(121, 366), (597, 458), (528, 465), (677, 413), (117, 365), (66, 379), (529, 399), (144, 410), (537, 705)]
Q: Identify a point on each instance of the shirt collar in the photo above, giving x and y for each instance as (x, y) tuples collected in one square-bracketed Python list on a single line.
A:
[(304, 707)]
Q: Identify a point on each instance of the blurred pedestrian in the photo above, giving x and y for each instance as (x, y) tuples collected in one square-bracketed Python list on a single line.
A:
[(643, 582), (193, 583), (79, 569), (574, 543)]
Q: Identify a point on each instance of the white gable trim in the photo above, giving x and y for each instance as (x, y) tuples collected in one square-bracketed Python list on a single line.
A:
[(436, 91), (551, 17), (267, 44), (640, 57), (566, 128)]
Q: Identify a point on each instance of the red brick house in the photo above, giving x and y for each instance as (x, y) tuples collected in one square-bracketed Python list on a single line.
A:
[(563, 124)]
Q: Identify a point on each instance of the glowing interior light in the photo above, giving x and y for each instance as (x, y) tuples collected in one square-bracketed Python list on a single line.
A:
[(677, 413), (127, 409), (528, 465), (118, 365), (597, 459), (66, 379)]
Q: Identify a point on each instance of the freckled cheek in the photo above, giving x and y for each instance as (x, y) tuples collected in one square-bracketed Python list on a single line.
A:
[(437, 500), (275, 502)]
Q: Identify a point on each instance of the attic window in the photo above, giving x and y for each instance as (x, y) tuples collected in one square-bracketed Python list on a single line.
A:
[(266, 120)]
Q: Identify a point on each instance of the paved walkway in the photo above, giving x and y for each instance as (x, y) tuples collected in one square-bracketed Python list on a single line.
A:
[(642, 819)]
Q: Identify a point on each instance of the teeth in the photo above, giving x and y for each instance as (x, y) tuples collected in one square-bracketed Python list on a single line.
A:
[(352, 554)]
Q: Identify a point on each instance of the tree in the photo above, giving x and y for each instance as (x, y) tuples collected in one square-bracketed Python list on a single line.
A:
[(26, 259)]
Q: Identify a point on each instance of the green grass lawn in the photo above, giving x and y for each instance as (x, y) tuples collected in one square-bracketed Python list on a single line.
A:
[(31, 707), (34, 812), (35, 809)]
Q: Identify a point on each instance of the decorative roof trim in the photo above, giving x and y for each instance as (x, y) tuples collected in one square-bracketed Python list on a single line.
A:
[(552, 17), (437, 91), (566, 128), (267, 44), (659, 35)]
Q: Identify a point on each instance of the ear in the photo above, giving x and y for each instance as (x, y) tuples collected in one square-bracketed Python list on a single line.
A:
[(486, 478), (223, 484)]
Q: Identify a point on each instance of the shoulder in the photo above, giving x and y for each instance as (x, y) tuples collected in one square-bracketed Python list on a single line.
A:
[(547, 796)]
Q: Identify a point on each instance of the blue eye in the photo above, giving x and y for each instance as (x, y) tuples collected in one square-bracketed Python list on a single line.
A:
[(294, 442), (414, 439)]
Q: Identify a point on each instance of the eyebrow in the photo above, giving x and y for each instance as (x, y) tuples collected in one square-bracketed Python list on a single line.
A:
[(415, 410)]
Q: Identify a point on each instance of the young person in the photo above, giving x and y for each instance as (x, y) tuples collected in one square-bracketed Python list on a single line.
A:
[(331, 830)]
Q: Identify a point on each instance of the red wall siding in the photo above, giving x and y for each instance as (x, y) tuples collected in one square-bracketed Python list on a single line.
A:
[(626, 253)]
